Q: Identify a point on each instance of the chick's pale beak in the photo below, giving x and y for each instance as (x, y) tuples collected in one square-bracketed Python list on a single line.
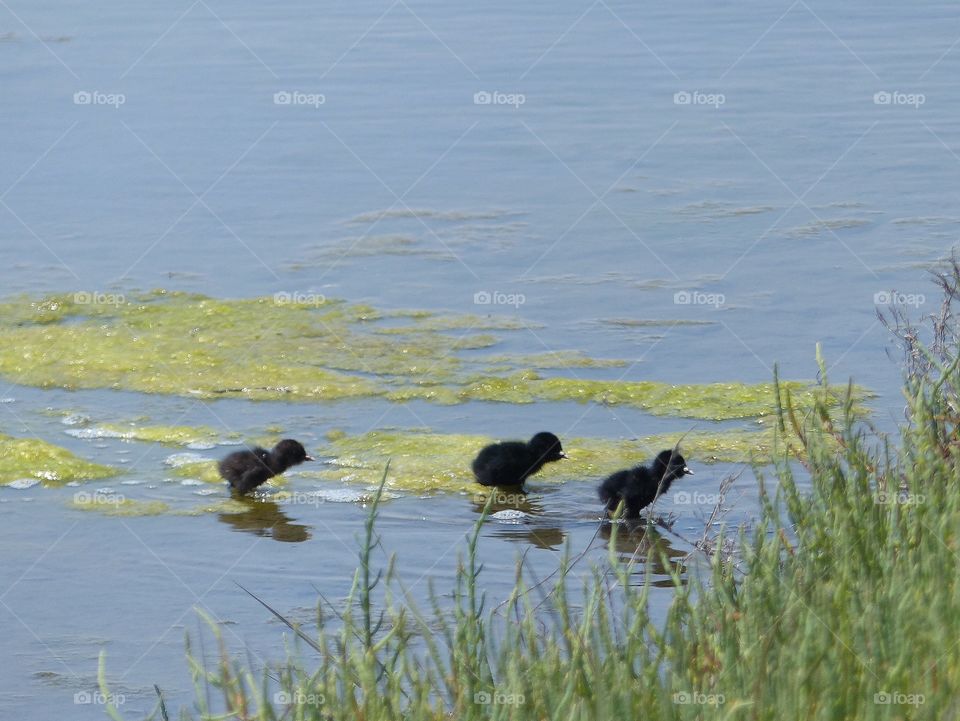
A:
[(563, 455), (309, 458), (687, 471)]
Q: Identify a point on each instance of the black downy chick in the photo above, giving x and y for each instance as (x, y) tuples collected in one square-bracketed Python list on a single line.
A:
[(638, 487), (245, 470), (510, 463)]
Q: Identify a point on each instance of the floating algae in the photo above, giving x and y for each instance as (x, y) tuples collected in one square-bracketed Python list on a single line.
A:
[(468, 322), (418, 461), (111, 505), (22, 458), (179, 435), (557, 359), (119, 506), (174, 435), (205, 471), (598, 456), (219, 505), (423, 462), (279, 349), (184, 344), (709, 401)]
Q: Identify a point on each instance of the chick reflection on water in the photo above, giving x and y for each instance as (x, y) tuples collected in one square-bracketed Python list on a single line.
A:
[(264, 517), (549, 538), (639, 542), (520, 518)]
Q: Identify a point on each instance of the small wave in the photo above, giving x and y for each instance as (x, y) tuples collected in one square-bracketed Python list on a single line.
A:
[(182, 459), (94, 433), (22, 483), (510, 515)]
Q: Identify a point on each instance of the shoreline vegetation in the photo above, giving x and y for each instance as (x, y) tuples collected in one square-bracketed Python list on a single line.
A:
[(838, 603)]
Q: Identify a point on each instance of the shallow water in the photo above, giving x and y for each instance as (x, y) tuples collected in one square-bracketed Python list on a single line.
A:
[(780, 215)]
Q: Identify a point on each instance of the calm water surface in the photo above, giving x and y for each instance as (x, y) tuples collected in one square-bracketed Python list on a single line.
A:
[(777, 164)]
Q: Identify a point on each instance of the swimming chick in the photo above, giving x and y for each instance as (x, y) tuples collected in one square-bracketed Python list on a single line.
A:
[(510, 463), (245, 470), (639, 487)]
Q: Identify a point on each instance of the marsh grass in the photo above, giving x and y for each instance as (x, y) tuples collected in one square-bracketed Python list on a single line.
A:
[(841, 602)]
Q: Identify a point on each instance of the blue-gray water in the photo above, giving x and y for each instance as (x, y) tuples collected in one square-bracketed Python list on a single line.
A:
[(784, 163)]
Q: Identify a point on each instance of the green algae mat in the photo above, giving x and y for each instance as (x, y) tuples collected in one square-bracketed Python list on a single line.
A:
[(29, 458), (327, 350), (422, 461)]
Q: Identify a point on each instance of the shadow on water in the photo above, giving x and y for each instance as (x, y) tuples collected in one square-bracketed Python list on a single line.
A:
[(550, 538), (265, 518), (641, 543), (524, 529)]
